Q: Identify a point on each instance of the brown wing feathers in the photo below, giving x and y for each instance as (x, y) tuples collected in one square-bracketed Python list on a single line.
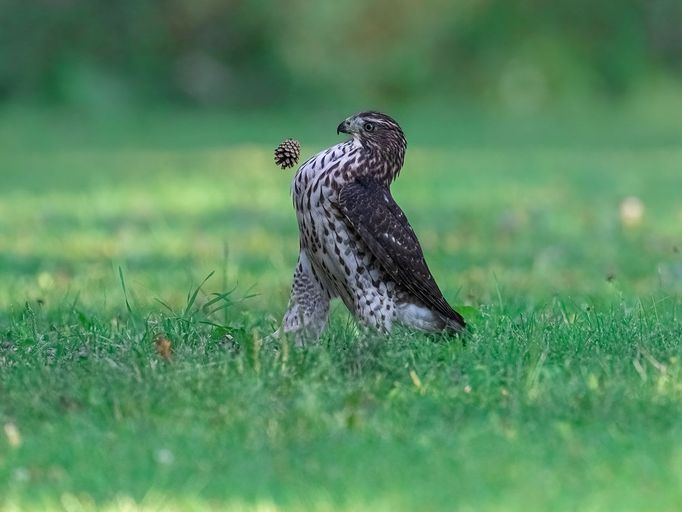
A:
[(376, 217)]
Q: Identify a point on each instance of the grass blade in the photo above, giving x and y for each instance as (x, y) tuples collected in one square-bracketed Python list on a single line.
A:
[(193, 297), (125, 292)]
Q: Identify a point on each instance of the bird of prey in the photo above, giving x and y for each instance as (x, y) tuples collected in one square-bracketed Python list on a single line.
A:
[(355, 241)]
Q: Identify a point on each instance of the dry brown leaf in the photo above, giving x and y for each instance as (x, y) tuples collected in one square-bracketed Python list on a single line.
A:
[(163, 347)]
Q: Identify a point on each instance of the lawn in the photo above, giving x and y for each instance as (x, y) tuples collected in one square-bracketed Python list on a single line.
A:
[(566, 395)]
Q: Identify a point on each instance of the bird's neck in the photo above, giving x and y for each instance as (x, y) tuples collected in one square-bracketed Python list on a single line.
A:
[(384, 162)]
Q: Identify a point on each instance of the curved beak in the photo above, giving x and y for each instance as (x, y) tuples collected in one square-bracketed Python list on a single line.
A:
[(342, 128)]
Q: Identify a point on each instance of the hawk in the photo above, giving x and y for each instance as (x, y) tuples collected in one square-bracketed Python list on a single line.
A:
[(355, 241)]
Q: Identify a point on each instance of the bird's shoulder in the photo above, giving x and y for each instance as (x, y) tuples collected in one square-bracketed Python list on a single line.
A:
[(372, 204)]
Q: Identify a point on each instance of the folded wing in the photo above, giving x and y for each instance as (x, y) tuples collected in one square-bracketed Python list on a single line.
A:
[(373, 213)]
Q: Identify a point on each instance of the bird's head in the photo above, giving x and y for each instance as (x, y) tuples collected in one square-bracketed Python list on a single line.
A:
[(383, 143), (374, 130)]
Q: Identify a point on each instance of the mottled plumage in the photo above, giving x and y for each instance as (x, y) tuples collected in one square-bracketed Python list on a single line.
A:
[(355, 241)]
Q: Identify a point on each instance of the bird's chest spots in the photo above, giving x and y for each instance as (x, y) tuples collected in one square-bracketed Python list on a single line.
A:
[(315, 192), (316, 209)]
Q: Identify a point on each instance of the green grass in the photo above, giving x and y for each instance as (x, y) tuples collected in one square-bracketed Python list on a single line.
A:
[(567, 394)]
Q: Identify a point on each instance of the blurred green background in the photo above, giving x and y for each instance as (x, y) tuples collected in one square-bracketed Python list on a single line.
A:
[(265, 53), (122, 110)]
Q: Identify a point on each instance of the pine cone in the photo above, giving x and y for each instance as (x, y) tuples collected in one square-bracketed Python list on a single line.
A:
[(287, 153)]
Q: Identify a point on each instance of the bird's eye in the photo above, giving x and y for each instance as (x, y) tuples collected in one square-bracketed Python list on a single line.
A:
[(368, 127)]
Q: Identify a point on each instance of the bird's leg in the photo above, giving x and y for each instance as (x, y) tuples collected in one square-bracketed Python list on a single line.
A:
[(308, 310), (374, 313)]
